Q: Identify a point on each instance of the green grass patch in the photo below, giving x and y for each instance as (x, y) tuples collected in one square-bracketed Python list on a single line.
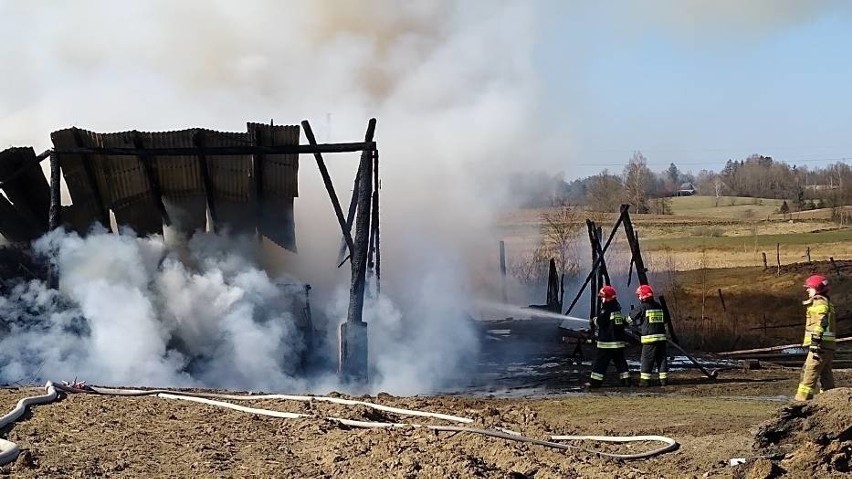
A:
[(731, 242), (741, 207)]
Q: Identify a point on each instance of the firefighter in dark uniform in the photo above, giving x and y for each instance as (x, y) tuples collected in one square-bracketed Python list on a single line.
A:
[(650, 322), (610, 324)]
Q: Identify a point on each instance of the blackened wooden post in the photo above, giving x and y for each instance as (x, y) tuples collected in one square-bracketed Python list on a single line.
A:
[(353, 333), (722, 300), (591, 273), (326, 179), (604, 270), (836, 268), (667, 317), (632, 240), (593, 285), (554, 305), (55, 213), (374, 238), (503, 271), (778, 257), (808, 254), (149, 167), (93, 181), (200, 142), (765, 264), (350, 217)]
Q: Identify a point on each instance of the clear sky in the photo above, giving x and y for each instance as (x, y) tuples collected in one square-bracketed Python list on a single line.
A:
[(696, 82)]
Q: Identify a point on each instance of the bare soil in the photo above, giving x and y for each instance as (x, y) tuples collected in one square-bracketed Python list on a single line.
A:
[(95, 436)]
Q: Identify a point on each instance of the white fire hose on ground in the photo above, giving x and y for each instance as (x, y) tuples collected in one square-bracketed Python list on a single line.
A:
[(9, 450)]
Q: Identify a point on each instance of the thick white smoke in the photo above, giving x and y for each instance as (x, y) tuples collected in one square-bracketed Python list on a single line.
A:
[(453, 90)]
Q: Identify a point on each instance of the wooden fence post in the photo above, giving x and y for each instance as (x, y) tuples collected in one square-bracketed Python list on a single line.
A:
[(778, 257), (765, 265)]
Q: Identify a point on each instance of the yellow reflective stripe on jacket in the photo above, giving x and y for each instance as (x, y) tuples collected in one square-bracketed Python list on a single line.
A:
[(597, 376), (655, 316), (827, 337), (617, 318), (653, 338), (610, 344)]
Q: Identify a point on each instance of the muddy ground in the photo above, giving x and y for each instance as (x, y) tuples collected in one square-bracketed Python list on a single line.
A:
[(95, 436)]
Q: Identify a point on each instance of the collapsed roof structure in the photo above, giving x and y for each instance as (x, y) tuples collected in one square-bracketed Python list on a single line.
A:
[(191, 180)]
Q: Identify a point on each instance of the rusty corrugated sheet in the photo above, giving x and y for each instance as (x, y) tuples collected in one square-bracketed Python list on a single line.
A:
[(29, 190), (84, 210), (279, 183), (125, 187), (180, 180)]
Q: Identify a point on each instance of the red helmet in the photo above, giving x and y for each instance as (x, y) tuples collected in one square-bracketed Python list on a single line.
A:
[(607, 293), (644, 292), (817, 282)]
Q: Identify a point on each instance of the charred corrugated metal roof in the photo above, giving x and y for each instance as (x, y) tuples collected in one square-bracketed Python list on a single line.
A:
[(146, 191)]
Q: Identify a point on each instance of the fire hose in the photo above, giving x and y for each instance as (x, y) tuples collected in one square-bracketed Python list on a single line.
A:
[(9, 450)]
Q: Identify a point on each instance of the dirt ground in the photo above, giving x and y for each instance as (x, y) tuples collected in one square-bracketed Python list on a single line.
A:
[(96, 436)]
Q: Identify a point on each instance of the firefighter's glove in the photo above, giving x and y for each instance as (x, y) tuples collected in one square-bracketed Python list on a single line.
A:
[(816, 352)]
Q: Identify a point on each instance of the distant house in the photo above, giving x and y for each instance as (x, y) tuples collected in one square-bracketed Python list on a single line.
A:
[(685, 189)]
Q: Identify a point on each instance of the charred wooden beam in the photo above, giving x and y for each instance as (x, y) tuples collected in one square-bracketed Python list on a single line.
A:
[(503, 270), (148, 163), (374, 218), (226, 150), (377, 185), (200, 139), (362, 234), (25, 167), (93, 181), (633, 241), (55, 214), (594, 266), (350, 217), (353, 333), (594, 286), (329, 186)]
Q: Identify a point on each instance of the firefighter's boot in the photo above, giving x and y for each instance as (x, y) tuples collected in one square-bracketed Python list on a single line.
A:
[(593, 384), (625, 382), (662, 382), (643, 383)]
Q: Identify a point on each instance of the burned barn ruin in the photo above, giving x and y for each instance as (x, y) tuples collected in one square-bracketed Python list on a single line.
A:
[(193, 180)]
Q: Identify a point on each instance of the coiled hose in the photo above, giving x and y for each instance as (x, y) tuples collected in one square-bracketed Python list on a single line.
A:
[(9, 450)]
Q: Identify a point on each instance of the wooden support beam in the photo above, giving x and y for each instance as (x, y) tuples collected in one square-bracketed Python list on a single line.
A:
[(329, 186), (374, 219), (594, 287), (632, 240), (226, 150), (23, 168), (377, 185), (200, 139), (594, 266), (350, 217), (54, 214), (362, 233), (92, 179), (148, 163), (503, 270)]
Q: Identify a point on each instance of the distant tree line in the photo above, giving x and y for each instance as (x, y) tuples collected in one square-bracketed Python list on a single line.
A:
[(646, 191)]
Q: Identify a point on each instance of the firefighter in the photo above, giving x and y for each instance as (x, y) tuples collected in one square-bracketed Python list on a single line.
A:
[(609, 324), (820, 329), (649, 319)]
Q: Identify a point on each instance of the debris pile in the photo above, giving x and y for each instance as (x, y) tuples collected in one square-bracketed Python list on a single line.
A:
[(813, 438)]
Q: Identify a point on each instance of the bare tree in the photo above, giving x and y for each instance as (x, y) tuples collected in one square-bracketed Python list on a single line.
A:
[(718, 184), (638, 182), (605, 192), (559, 231)]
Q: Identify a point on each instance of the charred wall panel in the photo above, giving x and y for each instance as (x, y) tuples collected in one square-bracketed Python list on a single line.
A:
[(29, 190), (130, 196), (278, 183), (85, 209), (230, 177), (180, 181)]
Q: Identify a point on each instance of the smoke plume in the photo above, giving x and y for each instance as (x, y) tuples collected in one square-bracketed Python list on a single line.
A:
[(454, 93)]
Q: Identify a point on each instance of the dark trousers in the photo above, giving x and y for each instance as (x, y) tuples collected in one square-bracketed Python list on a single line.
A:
[(602, 358), (654, 357)]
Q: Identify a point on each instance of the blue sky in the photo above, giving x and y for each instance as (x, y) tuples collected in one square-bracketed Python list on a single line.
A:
[(699, 90)]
